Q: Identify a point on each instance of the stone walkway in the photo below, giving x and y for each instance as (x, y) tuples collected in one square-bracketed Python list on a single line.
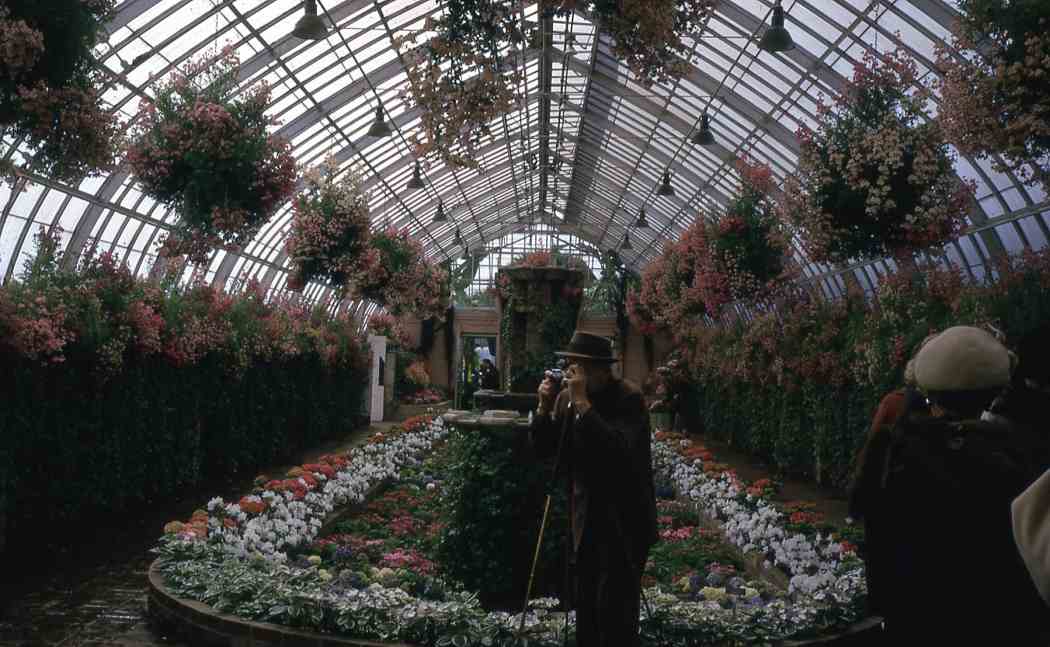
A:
[(94, 594)]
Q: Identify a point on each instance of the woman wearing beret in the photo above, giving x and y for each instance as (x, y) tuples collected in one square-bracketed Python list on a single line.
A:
[(950, 570)]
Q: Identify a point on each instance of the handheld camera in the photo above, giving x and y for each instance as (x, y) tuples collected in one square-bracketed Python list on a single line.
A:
[(557, 374)]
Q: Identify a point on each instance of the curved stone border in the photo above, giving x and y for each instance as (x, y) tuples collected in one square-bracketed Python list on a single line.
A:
[(199, 624), (202, 625)]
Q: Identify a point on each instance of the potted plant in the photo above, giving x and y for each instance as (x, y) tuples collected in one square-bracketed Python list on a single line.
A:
[(330, 226), (50, 93), (995, 94), (876, 177), (210, 157)]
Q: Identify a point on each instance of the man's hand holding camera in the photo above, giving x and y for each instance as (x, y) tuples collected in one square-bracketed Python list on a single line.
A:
[(575, 381)]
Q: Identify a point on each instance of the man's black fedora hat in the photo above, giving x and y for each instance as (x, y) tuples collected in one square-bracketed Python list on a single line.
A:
[(585, 345)]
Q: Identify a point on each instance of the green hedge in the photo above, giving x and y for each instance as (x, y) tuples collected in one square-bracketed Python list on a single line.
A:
[(797, 385), (494, 506), (76, 448), (117, 390)]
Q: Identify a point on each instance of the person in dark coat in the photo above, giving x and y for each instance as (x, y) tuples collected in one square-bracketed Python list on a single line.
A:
[(952, 573), (612, 503), (864, 500), (489, 375)]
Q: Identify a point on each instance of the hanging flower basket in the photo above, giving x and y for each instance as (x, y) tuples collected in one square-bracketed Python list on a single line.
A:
[(669, 296), (458, 78), (876, 177), (746, 252), (209, 156), (467, 72), (394, 273), (386, 325), (995, 91), (49, 87), (330, 226)]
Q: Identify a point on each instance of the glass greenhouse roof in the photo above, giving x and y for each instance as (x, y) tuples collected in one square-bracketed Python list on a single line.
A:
[(610, 139)]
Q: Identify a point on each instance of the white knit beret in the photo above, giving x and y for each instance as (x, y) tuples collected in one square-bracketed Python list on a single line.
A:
[(1031, 519), (963, 358)]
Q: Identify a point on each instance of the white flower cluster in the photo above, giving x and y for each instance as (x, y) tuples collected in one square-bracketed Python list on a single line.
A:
[(816, 566), (287, 522)]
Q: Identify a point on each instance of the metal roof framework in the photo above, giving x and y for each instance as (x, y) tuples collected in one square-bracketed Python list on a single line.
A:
[(582, 156)]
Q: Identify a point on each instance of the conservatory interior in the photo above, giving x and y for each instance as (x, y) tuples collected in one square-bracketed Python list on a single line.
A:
[(286, 287)]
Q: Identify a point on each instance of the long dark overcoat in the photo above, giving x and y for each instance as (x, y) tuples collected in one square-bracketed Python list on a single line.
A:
[(612, 507)]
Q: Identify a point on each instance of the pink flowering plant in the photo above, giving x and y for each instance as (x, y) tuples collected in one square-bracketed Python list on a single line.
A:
[(459, 79), (387, 325), (876, 177), (395, 273), (50, 90), (210, 157), (99, 315), (744, 255), (995, 94), (671, 294), (330, 226)]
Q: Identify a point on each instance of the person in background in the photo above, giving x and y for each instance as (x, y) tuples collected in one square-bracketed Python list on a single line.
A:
[(863, 492), (949, 570), (1027, 400), (489, 375), (612, 506)]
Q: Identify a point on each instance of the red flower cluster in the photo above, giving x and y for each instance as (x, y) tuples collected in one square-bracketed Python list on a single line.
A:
[(742, 256), (197, 526)]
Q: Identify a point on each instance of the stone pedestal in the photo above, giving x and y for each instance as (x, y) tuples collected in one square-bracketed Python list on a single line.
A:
[(522, 403), (535, 294), (497, 507)]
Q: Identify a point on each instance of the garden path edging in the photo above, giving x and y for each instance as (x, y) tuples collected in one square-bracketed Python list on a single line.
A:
[(202, 625)]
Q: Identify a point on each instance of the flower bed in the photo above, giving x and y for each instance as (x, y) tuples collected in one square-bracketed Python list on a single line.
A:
[(374, 577)]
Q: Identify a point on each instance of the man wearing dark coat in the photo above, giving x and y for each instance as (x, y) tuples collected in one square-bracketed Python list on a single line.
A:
[(612, 506)]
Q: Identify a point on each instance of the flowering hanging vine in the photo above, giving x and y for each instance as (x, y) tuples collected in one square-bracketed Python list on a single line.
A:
[(49, 87), (209, 156), (746, 251), (458, 79), (995, 91), (876, 176), (462, 77), (393, 272), (330, 227), (667, 297)]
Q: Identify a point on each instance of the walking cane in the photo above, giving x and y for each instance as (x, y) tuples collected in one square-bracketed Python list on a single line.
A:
[(543, 524)]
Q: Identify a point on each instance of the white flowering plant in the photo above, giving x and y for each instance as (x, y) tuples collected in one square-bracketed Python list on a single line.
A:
[(235, 557)]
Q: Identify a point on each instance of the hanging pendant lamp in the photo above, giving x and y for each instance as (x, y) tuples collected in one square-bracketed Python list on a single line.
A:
[(777, 38), (703, 137), (380, 128), (666, 190), (440, 215), (641, 223), (416, 181), (626, 246), (310, 26)]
